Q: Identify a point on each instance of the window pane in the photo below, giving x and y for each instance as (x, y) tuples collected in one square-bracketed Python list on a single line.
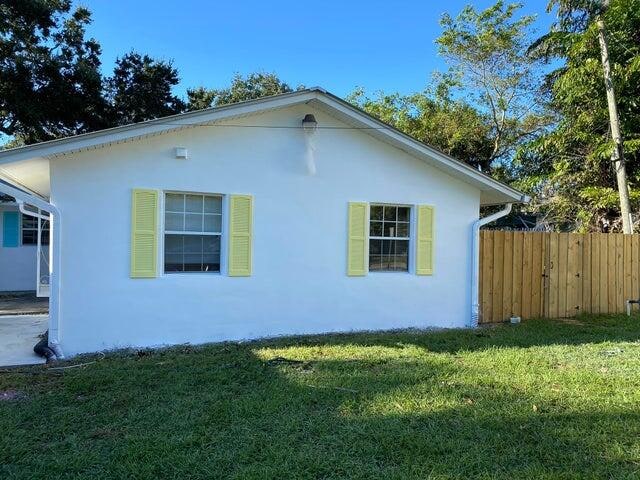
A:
[(193, 222), (403, 214), (213, 223), (390, 213), (401, 247), (387, 247), (401, 257), (173, 244), (376, 212), (193, 244), (174, 222), (211, 263), (29, 221), (174, 202), (173, 262), (375, 229), (29, 237), (390, 229), (212, 204), (375, 262), (194, 203), (375, 247), (211, 244), (403, 230), (193, 262)]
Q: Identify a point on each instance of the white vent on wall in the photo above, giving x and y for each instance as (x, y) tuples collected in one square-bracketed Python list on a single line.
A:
[(181, 152)]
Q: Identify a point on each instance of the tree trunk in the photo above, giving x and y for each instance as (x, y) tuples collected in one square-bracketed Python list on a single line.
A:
[(617, 157)]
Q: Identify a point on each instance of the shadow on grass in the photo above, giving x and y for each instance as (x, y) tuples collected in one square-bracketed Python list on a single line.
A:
[(226, 411), (585, 329)]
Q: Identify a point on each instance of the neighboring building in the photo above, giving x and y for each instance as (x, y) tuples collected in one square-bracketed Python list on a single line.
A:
[(242, 222), (18, 247)]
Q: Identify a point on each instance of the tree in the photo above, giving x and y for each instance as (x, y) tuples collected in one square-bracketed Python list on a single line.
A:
[(50, 83), (488, 65), (141, 89), (617, 155), (570, 168), (253, 86), (454, 127)]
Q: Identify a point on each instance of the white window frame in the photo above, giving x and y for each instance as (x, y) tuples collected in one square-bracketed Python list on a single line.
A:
[(221, 234), (408, 238)]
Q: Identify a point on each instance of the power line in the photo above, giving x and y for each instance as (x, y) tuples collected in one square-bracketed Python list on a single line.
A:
[(273, 126)]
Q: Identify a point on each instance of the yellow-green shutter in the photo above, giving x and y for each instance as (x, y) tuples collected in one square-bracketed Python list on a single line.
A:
[(357, 263), (424, 243), (240, 235), (144, 233)]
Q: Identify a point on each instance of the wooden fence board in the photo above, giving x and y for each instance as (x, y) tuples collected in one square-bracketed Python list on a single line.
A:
[(516, 297), (627, 267), (586, 274), (635, 265), (507, 275), (535, 274), (574, 267), (498, 267), (527, 275), (604, 274), (611, 269), (487, 276), (595, 273)]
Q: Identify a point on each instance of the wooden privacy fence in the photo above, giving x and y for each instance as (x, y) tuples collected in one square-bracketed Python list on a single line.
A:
[(553, 275)]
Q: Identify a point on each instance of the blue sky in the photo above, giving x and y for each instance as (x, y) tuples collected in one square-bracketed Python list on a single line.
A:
[(339, 45)]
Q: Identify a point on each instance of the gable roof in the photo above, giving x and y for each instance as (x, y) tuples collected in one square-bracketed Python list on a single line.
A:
[(22, 158)]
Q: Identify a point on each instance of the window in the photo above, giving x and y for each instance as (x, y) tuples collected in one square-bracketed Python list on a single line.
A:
[(30, 231), (389, 231), (192, 231)]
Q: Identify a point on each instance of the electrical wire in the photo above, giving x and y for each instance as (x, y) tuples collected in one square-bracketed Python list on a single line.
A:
[(273, 126)]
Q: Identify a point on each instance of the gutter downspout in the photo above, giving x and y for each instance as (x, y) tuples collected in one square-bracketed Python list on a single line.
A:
[(475, 253), (55, 258)]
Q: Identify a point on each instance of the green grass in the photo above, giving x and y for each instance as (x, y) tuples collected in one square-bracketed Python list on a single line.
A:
[(540, 400)]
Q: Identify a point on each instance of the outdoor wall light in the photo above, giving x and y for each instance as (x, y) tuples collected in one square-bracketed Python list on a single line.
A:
[(309, 122)]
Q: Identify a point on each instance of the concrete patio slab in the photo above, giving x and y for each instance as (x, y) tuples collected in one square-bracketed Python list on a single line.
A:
[(22, 303), (18, 335)]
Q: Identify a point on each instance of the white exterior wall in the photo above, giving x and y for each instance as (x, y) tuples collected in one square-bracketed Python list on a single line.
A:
[(17, 264), (299, 282)]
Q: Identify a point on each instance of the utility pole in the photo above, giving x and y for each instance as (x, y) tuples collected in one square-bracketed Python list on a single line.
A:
[(617, 156)]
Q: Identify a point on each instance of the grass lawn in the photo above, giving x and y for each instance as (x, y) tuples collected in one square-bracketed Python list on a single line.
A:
[(539, 400)]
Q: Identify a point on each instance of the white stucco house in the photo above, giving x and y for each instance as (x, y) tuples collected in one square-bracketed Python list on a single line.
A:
[(291, 214), (19, 260)]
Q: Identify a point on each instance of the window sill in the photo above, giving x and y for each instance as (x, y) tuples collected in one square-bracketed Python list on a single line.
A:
[(171, 274), (400, 272)]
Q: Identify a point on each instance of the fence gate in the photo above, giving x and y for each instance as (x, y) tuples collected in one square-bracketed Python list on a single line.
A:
[(553, 275)]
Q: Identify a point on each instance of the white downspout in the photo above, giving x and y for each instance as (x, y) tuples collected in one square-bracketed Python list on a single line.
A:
[(475, 253), (55, 260)]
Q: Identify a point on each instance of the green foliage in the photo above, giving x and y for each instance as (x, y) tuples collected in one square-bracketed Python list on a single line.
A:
[(141, 89), (50, 83), (488, 65), (541, 400), (253, 86), (578, 188), (454, 127)]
